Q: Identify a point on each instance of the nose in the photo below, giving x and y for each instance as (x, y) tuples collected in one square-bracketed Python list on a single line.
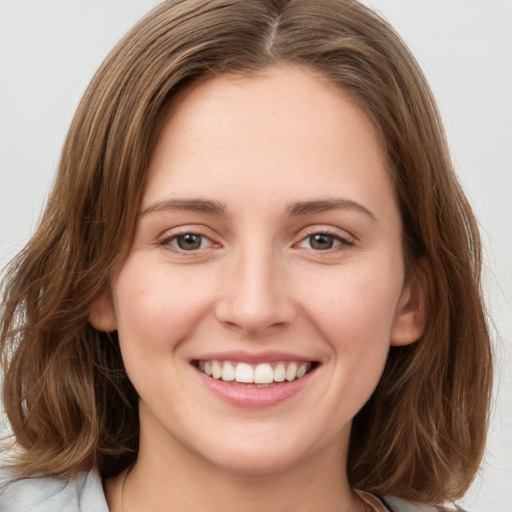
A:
[(255, 295)]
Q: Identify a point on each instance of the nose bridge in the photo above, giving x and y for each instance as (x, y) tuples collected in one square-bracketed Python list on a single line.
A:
[(255, 294)]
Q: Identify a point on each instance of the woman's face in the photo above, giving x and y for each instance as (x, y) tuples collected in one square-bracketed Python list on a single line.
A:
[(269, 244)]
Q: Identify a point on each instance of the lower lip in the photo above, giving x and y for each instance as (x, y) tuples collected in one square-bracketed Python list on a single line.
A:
[(254, 398)]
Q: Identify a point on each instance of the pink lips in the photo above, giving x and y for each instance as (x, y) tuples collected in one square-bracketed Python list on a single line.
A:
[(253, 397)]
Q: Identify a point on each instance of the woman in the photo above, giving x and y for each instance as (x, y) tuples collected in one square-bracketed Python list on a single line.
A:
[(256, 282)]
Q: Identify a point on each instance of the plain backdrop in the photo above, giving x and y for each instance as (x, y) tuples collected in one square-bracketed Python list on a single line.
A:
[(50, 49)]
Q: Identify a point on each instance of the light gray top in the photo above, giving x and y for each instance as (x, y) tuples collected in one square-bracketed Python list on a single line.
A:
[(84, 493), (46, 494)]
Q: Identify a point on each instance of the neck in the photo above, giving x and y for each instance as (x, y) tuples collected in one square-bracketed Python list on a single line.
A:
[(283, 491)]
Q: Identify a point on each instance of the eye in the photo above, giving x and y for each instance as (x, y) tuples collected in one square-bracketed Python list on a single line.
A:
[(187, 242), (323, 242)]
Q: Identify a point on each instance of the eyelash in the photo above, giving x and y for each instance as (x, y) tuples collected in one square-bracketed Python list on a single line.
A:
[(340, 242)]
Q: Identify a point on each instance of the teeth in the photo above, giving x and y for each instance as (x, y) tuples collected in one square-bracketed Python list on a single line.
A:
[(216, 370), (228, 372), (291, 372), (279, 373), (301, 371), (244, 373), (261, 375)]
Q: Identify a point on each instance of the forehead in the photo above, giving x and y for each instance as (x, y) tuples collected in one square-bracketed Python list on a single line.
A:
[(285, 129)]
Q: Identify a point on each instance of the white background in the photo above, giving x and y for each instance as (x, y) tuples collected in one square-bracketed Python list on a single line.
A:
[(50, 49)]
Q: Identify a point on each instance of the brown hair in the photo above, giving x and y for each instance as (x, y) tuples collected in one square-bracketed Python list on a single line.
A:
[(68, 399)]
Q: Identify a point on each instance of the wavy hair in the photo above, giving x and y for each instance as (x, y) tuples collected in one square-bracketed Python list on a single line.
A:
[(68, 399)]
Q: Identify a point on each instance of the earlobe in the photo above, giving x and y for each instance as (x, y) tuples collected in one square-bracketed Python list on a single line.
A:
[(102, 315), (412, 312)]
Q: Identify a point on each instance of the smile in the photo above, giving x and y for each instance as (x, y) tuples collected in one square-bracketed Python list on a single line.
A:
[(254, 375)]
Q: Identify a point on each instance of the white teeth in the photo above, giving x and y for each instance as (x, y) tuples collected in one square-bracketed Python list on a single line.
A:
[(279, 373), (228, 372), (244, 373), (216, 370), (302, 370), (261, 375), (291, 372)]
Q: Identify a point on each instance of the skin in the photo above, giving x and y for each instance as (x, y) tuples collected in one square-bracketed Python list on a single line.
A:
[(256, 147)]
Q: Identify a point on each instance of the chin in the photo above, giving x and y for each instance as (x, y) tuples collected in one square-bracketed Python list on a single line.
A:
[(256, 462), (261, 453)]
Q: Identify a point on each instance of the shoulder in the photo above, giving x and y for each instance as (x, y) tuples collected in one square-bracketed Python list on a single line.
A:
[(83, 493), (399, 505)]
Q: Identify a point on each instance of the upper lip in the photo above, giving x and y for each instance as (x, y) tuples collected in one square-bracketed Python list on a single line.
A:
[(252, 357)]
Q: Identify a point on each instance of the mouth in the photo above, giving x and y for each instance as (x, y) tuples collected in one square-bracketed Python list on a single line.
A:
[(262, 375)]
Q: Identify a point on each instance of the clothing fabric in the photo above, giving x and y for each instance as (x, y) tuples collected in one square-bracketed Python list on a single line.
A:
[(84, 493), (46, 494), (392, 504)]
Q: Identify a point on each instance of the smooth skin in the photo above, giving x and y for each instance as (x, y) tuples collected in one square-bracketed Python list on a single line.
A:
[(269, 223)]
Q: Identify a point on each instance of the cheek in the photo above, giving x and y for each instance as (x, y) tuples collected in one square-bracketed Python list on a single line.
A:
[(357, 310), (355, 320), (156, 310)]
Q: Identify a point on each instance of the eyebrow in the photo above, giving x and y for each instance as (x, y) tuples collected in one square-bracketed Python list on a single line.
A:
[(323, 205), (295, 209), (191, 205)]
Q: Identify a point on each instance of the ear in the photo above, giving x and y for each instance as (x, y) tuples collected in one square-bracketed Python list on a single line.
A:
[(412, 310), (102, 315)]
